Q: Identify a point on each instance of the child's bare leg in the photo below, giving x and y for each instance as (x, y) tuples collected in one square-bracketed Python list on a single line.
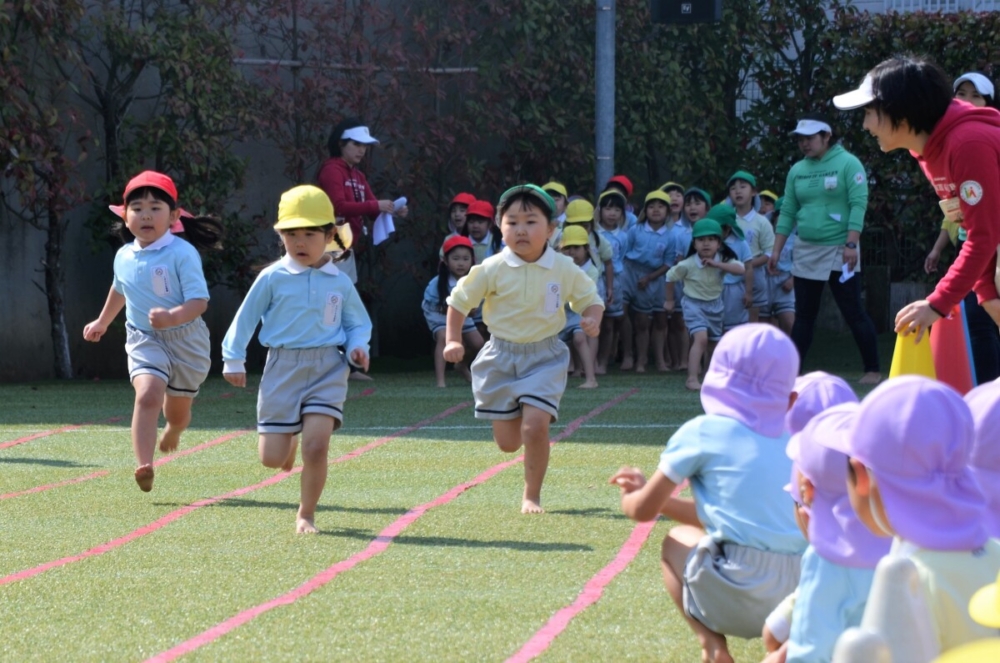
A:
[(641, 341), (699, 342), (316, 432), (674, 553), (754, 313), (439, 362), (605, 345), (786, 321), (535, 435), (626, 336), (591, 375), (274, 449), (573, 369), (659, 336), (507, 434), (582, 348), (677, 337), (177, 412), (149, 393), (771, 643)]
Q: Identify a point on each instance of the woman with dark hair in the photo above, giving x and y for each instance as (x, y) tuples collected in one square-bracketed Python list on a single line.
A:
[(908, 104), (826, 194)]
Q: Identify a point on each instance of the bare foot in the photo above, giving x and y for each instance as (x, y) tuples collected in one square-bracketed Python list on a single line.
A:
[(640, 368), (442, 385), (290, 460), (870, 378), (463, 370), (144, 477), (600, 370), (576, 374), (663, 368), (531, 506), (692, 384), (589, 384), (170, 440), (627, 365), (358, 376), (680, 369), (717, 654), (305, 526)]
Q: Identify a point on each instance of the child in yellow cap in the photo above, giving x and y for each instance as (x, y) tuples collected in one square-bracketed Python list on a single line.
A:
[(308, 309), (575, 243)]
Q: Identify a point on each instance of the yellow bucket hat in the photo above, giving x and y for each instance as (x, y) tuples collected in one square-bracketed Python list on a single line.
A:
[(767, 193), (579, 211), (304, 206), (574, 236), (973, 652), (558, 187), (662, 196)]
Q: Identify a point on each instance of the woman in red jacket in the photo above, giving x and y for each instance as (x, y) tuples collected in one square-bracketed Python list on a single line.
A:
[(908, 104)]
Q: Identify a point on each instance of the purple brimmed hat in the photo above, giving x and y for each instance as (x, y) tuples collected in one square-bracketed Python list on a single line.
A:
[(751, 377), (915, 435), (816, 392), (834, 528), (984, 401)]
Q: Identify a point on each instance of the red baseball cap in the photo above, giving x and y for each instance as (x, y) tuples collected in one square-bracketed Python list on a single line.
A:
[(156, 180), (622, 181), (462, 199), (480, 208), (457, 240)]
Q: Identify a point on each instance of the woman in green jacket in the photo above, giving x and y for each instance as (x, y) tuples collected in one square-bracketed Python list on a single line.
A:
[(826, 195)]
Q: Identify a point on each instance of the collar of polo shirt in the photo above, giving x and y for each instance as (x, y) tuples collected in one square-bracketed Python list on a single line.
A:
[(547, 260), (297, 268)]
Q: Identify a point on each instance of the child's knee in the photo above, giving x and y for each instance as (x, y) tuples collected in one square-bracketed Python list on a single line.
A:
[(148, 399), (315, 450)]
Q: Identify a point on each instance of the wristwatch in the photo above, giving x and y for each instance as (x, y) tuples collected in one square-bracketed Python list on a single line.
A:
[(851, 245)]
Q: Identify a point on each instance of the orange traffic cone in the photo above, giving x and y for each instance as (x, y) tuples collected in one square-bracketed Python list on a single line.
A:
[(950, 348)]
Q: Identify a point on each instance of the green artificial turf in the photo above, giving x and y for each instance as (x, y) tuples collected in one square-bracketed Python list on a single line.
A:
[(472, 579)]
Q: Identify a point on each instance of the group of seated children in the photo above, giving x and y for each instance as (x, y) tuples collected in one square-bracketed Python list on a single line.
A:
[(910, 473), (673, 278)]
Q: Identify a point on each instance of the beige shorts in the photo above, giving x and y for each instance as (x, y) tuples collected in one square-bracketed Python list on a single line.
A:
[(298, 382), (507, 375), (179, 356)]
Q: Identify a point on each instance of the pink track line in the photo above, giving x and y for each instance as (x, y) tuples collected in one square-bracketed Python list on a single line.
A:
[(49, 486), (376, 547), (54, 431), (591, 592), (183, 511)]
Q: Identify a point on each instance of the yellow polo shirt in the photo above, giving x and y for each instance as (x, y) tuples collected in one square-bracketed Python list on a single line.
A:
[(704, 283), (759, 233), (523, 301)]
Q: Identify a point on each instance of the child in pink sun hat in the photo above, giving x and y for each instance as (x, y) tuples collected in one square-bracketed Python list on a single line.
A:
[(909, 478), (839, 565), (984, 401), (736, 555)]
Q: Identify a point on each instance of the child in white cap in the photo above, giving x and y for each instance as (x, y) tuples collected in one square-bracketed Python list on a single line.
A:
[(307, 309)]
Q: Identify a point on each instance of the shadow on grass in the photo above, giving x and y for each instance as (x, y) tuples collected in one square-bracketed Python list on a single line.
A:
[(448, 542), (49, 462), (236, 502), (593, 512)]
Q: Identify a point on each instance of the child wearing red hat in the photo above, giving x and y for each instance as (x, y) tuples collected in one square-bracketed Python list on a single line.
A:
[(481, 229), (457, 259), (158, 280)]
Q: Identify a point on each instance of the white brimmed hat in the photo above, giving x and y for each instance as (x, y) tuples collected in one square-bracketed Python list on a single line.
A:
[(359, 135), (810, 128), (982, 84), (863, 96)]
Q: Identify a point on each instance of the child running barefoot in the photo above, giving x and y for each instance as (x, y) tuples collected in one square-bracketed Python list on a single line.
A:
[(575, 243), (701, 273), (159, 281), (728, 573), (456, 263), (307, 309), (519, 377)]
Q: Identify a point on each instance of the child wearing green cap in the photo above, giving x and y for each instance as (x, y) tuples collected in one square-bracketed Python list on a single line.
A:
[(701, 272), (519, 376), (759, 235)]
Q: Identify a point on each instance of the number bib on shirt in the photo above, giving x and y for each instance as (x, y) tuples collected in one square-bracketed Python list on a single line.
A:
[(553, 302), (161, 281), (331, 311)]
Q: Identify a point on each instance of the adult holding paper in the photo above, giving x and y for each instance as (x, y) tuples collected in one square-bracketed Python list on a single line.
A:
[(826, 194), (908, 104)]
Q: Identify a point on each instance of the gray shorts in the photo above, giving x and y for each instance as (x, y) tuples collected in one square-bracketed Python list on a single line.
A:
[(298, 382), (732, 301), (645, 301), (761, 292), (732, 589), (181, 356), (613, 308), (507, 375), (701, 315), (436, 321), (780, 301)]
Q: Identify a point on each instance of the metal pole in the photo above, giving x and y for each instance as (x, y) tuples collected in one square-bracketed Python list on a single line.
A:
[(604, 107)]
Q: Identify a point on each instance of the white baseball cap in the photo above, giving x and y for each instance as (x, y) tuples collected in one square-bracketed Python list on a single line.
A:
[(810, 128), (863, 96), (359, 135), (982, 84)]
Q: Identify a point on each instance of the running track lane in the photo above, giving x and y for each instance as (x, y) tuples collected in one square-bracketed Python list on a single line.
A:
[(590, 594), (54, 431), (183, 511), (376, 547), (161, 461)]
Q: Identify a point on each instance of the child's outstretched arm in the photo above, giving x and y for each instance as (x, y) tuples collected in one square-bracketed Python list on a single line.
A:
[(454, 349), (642, 500), (112, 307), (590, 321), (162, 318), (733, 266)]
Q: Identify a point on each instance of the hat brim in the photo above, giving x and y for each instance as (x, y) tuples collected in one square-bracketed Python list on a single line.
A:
[(985, 606), (853, 99), (301, 222)]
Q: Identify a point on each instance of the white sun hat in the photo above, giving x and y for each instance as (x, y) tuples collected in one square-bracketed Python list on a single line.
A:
[(810, 128), (982, 84), (863, 96), (359, 135)]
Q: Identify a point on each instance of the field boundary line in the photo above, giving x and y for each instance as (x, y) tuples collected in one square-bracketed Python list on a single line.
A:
[(163, 521), (378, 545), (49, 486), (56, 431), (592, 591)]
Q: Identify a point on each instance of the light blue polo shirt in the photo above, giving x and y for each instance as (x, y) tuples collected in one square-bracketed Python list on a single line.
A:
[(165, 274), (616, 238), (650, 248), (298, 307), (742, 251), (831, 599), (737, 478)]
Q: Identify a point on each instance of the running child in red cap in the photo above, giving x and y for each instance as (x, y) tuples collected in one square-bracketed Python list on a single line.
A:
[(158, 280)]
